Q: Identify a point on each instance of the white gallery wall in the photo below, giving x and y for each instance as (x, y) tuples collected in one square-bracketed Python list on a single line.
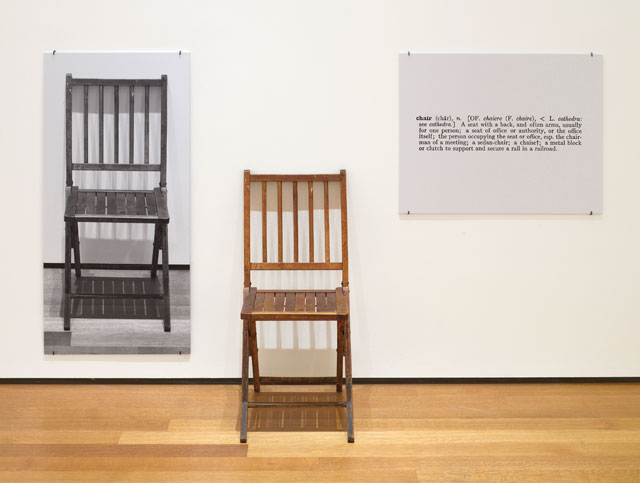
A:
[(313, 87)]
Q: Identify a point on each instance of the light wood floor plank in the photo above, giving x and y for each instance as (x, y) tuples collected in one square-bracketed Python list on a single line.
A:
[(365, 476)]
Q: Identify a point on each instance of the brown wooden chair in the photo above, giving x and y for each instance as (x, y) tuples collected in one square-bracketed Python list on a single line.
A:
[(274, 305), (118, 205)]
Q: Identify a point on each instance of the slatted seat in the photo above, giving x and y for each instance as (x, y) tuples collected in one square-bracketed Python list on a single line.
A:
[(300, 305), (312, 305), (116, 205)]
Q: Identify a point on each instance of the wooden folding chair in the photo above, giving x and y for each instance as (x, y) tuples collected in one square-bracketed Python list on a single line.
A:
[(117, 205), (274, 305)]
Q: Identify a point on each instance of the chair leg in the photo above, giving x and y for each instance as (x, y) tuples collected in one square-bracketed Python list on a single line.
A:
[(157, 240), (253, 344), (347, 352), (245, 380), (340, 351), (67, 276), (165, 278), (76, 249)]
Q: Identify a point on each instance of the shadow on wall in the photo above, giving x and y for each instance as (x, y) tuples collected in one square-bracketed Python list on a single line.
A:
[(297, 362), (108, 250)]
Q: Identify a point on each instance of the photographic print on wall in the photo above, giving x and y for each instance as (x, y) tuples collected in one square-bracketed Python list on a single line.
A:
[(116, 237)]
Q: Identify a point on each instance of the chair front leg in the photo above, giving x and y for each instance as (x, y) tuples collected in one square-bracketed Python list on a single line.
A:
[(347, 349), (76, 249), (245, 380), (253, 344), (67, 276), (165, 278), (340, 351), (157, 240)]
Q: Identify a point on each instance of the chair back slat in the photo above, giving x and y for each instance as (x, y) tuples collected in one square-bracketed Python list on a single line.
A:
[(264, 221), (311, 240), (280, 249), (131, 122), (102, 164), (86, 124), (295, 221), (146, 124), (327, 247), (116, 124), (296, 264), (101, 126)]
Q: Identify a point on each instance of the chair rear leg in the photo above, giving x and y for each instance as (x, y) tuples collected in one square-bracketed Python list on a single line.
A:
[(347, 349), (253, 344), (76, 249), (67, 276), (165, 278), (157, 240), (340, 351), (245, 380)]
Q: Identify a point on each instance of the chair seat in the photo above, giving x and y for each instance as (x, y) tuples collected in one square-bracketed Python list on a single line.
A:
[(115, 206), (295, 305)]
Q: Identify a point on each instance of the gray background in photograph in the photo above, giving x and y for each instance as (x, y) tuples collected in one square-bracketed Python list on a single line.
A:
[(567, 181)]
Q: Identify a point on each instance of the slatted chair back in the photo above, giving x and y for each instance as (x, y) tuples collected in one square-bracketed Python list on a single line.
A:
[(297, 263), (119, 85)]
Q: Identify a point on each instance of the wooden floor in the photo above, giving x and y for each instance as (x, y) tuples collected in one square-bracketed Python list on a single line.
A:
[(482, 432)]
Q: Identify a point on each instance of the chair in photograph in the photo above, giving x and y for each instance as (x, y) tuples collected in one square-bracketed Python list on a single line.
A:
[(116, 205), (293, 305)]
